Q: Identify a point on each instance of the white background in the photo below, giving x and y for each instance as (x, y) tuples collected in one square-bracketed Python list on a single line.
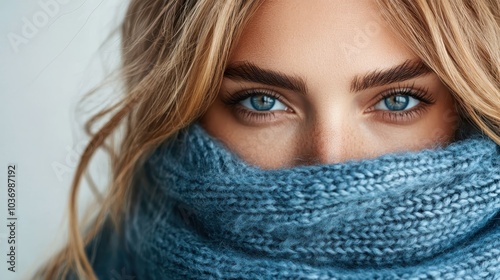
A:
[(49, 58)]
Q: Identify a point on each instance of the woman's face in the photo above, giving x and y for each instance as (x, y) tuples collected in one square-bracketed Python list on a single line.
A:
[(326, 81)]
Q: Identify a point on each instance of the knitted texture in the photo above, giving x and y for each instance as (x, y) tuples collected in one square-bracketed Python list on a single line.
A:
[(205, 213)]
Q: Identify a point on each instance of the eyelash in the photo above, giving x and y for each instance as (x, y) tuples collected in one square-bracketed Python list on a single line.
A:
[(421, 95), (234, 99)]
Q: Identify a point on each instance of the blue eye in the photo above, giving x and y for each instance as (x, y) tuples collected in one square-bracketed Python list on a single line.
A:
[(397, 103), (263, 103)]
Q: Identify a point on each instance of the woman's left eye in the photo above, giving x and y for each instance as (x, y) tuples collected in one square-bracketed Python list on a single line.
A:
[(263, 103), (396, 103)]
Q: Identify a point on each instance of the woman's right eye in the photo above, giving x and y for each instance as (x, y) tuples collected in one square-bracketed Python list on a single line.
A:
[(257, 106), (263, 103)]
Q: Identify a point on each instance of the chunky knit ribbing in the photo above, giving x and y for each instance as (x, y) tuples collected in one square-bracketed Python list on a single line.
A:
[(415, 215)]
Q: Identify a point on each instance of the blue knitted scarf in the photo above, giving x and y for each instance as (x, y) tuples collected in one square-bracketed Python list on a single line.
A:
[(207, 214)]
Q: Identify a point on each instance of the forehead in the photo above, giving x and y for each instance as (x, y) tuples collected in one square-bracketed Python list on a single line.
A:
[(320, 39)]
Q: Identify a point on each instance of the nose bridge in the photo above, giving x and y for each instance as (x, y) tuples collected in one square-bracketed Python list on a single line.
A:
[(330, 140)]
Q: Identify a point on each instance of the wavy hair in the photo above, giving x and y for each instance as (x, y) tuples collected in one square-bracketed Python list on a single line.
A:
[(174, 53)]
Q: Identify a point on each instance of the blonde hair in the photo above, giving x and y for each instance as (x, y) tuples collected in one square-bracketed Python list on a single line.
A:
[(174, 55), (460, 42)]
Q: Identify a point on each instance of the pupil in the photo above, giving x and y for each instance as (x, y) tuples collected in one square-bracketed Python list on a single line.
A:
[(262, 102), (397, 103)]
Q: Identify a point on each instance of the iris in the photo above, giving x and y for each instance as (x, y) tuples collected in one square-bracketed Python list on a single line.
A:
[(397, 102), (262, 102)]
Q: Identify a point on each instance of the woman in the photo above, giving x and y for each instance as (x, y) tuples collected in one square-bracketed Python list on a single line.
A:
[(299, 140)]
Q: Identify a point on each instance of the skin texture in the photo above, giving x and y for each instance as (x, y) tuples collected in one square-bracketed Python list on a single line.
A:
[(326, 44)]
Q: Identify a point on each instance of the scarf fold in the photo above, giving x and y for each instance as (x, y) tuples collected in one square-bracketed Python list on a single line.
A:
[(204, 213)]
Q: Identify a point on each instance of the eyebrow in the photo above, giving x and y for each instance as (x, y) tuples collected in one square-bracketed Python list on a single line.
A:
[(402, 72), (248, 71)]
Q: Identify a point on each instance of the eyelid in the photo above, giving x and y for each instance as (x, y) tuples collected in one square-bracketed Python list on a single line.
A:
[(237, 97), (421, 94), (233, 100), (403, 116)]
